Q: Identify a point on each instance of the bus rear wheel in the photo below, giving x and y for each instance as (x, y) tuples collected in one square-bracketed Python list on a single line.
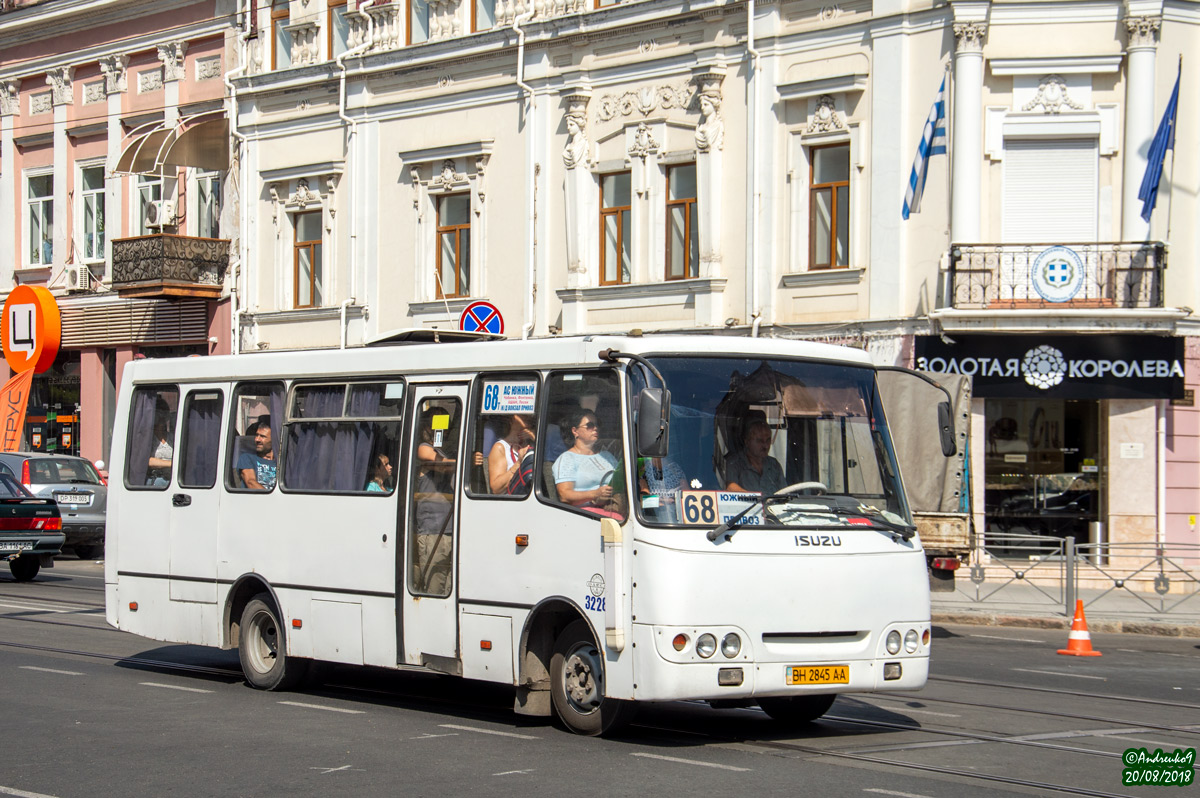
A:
[(577, 685), (262, 648), (797, 709), (25, 567)]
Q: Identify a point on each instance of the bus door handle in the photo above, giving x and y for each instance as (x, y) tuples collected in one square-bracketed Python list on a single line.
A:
[(181, 500)]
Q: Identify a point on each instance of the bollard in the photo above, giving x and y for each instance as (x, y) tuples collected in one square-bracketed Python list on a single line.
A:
[(1069, 575)]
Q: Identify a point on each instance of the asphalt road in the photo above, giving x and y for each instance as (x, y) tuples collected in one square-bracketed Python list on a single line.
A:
[(89, 710)]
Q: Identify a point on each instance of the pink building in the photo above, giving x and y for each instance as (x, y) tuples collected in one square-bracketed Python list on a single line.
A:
[(113, 163)]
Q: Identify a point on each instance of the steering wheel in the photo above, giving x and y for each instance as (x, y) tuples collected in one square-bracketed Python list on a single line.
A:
[(817, 488)]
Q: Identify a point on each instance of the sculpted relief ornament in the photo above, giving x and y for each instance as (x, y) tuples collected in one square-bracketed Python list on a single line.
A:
[(969, 36), (578, 147), (644, 101), (10, 97), (1052, 96), (59, 81), (1142, 30), (710, 132), (825, 118)]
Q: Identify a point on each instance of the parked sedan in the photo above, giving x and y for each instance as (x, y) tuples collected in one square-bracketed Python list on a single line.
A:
[(74, 483), (30, 530)]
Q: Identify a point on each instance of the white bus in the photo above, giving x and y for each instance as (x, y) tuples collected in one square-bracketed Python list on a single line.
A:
[(598, 521)]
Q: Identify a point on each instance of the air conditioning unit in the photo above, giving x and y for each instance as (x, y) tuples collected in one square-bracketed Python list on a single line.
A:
[(159, 214), (78, 278)]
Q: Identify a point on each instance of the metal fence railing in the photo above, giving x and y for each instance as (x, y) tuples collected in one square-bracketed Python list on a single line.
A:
[(1034, 572)]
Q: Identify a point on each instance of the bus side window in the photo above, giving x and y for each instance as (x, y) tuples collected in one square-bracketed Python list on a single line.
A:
[(200, 439), (503, 461), (583, 460), (151, 438), (255, 421)]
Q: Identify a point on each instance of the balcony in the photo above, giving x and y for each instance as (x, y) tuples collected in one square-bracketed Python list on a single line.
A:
[(169, 265), (1056, 276)]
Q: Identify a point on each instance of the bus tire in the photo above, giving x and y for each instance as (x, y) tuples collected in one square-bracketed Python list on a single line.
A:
[(577, 684), (795, 710), (262, 648), (24, 568)]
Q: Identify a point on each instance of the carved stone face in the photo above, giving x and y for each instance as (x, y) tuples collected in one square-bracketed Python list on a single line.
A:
[(572, 126), (706, 106)]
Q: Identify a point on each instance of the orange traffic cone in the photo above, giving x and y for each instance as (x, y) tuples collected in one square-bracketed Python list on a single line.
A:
[(1079, 642)]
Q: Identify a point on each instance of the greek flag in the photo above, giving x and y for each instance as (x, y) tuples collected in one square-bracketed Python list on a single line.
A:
[(1163, 140), (933, 142)]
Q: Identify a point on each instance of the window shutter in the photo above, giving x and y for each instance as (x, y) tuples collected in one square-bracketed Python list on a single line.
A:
[(1050, 191)]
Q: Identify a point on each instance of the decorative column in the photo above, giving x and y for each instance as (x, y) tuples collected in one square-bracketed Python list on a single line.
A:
[(580, 187), (114, 68), (171, 55), (1139, 120), (967, 167), (62, 97), (10, 108), (710, 141)]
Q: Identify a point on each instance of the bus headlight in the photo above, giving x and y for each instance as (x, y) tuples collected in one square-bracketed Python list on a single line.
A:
[(731, 646), (706, 645), (910, 641), (893, 642)]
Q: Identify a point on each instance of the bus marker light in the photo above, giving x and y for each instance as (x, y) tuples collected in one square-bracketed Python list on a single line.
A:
[(680, 642), (729, 677), (945, 563), (891, 671), (522, 540), (485, 645), (925, 638), (133, 606), (297, 623)]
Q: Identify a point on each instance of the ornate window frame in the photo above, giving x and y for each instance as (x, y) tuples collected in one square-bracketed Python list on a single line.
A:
[(303, 189), (433, 172)]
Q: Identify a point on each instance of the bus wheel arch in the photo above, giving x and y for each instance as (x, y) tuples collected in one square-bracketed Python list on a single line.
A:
[(542, 627), (244, 588)]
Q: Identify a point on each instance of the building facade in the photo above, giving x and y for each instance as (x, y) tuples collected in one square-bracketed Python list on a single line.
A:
[(113, 164)]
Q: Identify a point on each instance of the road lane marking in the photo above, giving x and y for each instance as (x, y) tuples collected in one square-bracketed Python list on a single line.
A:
[(50, 670), (906, 710), (1009, 639), (895, 792), (327, 709), (174, 687), (327, 771), (512, 772), (28, 608), (1145, 742), (23, 793), (1060, 673), (691, 762), (488, 731)]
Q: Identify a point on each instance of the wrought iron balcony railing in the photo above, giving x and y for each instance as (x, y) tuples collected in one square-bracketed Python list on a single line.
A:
[(1022, 276), (169, 265)]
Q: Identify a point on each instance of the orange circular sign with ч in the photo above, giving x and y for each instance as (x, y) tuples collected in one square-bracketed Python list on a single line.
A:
[(31, 329)]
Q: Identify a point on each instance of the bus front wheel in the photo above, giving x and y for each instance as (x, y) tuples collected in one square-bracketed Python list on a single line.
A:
[(262, 648), (797, 709), (577, 684)]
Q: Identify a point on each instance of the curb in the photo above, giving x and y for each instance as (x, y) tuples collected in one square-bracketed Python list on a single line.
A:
[(1036, 622)]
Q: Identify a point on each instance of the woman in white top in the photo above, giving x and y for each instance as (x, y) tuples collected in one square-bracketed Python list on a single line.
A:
[(504, 460), (579, 472)]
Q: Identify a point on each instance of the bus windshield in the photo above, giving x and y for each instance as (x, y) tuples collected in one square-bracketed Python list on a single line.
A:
[(811, 435)]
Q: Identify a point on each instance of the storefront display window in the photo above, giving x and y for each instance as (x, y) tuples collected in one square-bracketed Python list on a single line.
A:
[(1043, 469)]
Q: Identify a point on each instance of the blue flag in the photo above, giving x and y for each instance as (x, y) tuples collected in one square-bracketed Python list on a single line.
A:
[(933, 142), (1164, 140)]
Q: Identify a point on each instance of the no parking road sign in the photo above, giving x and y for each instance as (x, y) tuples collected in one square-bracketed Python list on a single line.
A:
[(481, 317)]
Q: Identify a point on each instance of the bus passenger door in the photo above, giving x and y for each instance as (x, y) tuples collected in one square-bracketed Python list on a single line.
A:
[(194, 497), (429, 590)]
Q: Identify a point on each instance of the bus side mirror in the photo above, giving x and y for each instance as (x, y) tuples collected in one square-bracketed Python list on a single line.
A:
[(653, 422), (946, 429)]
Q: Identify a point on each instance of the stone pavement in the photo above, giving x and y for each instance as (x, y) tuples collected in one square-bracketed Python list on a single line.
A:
[(1021, 604)]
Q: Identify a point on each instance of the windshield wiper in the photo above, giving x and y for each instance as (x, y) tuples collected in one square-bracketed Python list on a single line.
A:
[(874, 514)]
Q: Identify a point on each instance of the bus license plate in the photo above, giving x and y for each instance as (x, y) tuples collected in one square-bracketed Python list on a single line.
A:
[(818, 674), (15, 545)]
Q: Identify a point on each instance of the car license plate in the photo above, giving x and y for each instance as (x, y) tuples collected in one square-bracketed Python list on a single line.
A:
[(73, 498), (15, 545), (818, 674)]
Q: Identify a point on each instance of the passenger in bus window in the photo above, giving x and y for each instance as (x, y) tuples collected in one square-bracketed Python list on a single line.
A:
[(159, 473), (381, 474), (507, 454), (582, 475), (660, 480), (434, 500), (257, 468), (752, 470)]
